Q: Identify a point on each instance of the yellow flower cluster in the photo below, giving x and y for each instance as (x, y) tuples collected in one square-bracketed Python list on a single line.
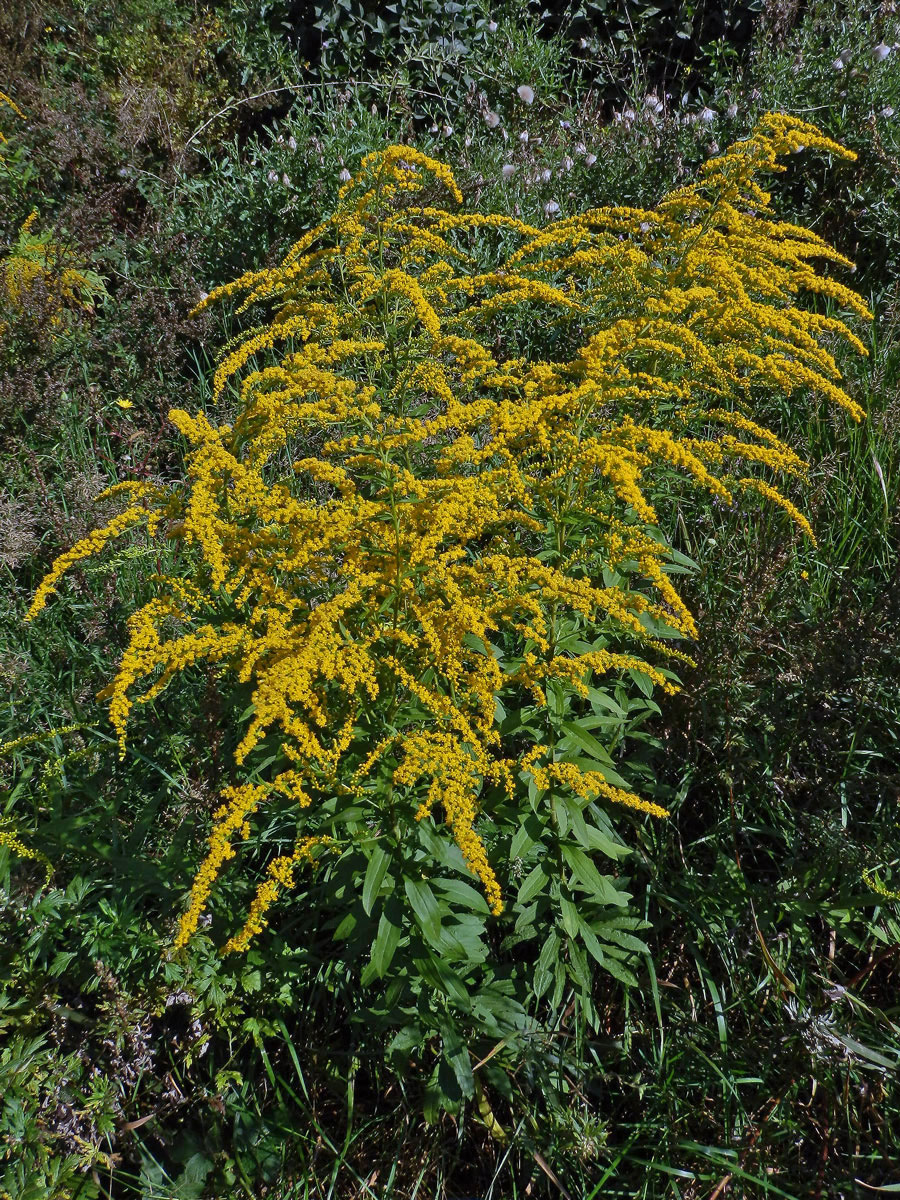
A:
[(870, 878), (7, 102), (415, 493), (589, 784), (97, 539), (35, 260), (9, 838), (280, 871), (455, 768), (231, 819), (19, 743)]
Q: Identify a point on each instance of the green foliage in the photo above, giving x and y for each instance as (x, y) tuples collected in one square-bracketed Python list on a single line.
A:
[(445, 47)]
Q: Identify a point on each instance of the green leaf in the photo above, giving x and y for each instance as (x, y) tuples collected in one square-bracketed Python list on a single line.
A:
[(463, 894), (444, 980), (569, 914), (532, 884), (191, 1180), (626, 940), (425, 907), (680, 563), (591, 942), (578, 736), (601, 699), (525, 920), (375, 873), (866, 1052), (442, 849), (578, 967), (601, 722), (599, 886), (643, 682), (613, 967), (561, 976), (386, 942), (547, 959), (592, 838), (562, 807), (522, 841), (433, 1099), (406, 1040), (252, 981), (464, 937), (457, 1056), (345, 927), (60, 963), (505, 1011)]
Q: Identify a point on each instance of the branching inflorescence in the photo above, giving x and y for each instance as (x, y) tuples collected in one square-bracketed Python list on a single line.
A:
[(410, 497)]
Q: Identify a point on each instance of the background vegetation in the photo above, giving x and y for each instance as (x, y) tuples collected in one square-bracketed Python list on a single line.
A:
[(166, 147)]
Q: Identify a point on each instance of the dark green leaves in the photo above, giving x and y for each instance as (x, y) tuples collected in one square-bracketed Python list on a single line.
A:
[(375, 873)]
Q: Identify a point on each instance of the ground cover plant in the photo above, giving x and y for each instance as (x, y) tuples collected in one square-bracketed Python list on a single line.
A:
[(666, 1006)]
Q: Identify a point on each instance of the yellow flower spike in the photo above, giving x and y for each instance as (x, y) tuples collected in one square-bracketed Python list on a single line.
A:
[(871, 880), (37, 266), (11, 104), (241, 802), (7, 748), (86, 548), (4, 99), (771, 493), (11, 841), (590, 784), (281, 872)]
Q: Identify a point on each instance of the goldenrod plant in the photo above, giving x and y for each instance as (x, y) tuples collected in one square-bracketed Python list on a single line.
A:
[(42, 277), (422, 540), (8, 102), (10, 836)]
